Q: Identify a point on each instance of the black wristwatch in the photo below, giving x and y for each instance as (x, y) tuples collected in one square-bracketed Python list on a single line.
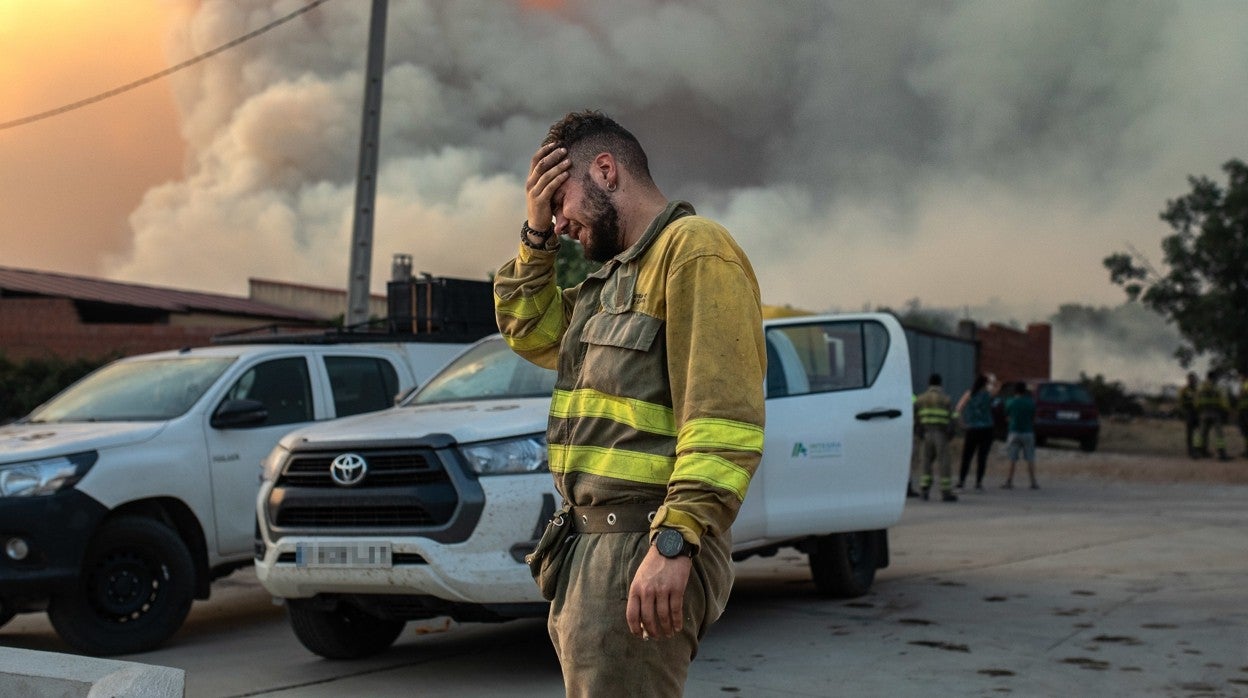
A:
[(670, 543)]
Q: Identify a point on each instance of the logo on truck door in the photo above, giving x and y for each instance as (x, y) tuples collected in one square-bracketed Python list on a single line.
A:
[(348, 469), (822, 449)]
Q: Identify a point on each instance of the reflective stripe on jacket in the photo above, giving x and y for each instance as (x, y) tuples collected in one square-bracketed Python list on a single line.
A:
[(1209, 397), (933, 407), (660, 389)]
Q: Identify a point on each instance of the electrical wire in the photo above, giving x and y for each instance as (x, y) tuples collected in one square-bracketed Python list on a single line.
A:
[(166, 72)]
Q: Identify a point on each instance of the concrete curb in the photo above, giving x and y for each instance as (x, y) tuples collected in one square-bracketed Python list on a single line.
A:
[(52, 675)]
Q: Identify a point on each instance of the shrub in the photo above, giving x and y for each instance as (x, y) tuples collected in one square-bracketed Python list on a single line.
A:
[(27, 384)]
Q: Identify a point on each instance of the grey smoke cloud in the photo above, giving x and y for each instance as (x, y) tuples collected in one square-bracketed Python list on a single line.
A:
[(862, 153)]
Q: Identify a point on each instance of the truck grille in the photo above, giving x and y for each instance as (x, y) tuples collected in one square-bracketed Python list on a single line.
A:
[(403, 487), (330, 515), (385, 469)]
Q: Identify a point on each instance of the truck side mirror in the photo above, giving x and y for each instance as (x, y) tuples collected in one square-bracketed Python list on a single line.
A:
[(234, 414)]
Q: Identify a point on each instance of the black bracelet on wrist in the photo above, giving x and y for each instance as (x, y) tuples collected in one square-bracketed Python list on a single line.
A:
[(543, 235)]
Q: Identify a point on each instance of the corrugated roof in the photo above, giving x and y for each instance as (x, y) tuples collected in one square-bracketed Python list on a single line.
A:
[(83, 288)]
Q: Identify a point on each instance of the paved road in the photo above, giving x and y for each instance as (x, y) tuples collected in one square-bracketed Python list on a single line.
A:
[(1083, 588)]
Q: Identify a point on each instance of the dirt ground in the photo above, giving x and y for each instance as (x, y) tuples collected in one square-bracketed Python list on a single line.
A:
[(1134, 450)]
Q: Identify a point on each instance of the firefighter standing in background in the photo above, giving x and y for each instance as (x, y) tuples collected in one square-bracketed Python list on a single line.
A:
[(933, 412), (1241, 409), (1213, 406), (916, 448), (1187, 410)]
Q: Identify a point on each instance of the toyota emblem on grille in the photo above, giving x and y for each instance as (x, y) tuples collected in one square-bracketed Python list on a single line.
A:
[(348, 469)]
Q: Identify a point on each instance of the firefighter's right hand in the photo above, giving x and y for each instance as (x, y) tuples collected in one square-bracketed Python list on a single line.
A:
[(548, 170), (656, 596)]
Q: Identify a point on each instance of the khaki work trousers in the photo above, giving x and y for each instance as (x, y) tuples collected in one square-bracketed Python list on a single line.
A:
[(587, 623), (935, 446)]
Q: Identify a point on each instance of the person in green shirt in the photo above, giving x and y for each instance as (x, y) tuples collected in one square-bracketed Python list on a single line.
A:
[(1020, 411)]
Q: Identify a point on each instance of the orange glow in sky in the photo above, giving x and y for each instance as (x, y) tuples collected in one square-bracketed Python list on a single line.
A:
[(56, 52)]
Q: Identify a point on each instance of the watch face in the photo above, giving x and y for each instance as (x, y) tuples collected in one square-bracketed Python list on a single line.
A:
[(670, 543)]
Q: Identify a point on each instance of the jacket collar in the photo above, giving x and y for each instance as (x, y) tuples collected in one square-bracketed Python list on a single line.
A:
[(673, 211)]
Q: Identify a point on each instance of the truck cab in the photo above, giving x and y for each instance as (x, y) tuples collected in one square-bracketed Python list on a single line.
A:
[(125, 495), (429, 508)]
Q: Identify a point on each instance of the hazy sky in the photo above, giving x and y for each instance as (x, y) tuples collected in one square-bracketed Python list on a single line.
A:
[(980, 154)]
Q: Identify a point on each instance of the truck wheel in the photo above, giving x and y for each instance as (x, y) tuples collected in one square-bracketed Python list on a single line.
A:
[(843, 564), (1088, 443), (134, 591), (345, 632), (6, 613)]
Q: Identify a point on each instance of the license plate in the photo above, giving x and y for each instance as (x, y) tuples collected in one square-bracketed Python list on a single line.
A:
[(1067, 414), (360, 554)]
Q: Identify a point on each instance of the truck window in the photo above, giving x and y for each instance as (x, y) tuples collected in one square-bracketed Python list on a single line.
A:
[(150, 390), (282, 385), (824, 357), (490, 370), (361, 384)]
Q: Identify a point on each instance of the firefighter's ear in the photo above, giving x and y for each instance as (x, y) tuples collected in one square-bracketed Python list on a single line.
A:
[(605, 172)]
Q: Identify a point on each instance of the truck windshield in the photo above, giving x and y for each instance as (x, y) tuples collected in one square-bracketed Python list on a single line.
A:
[(134, 391), (488, 371)]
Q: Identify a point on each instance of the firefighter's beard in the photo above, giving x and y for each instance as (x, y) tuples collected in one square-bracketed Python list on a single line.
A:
[(605, 240)]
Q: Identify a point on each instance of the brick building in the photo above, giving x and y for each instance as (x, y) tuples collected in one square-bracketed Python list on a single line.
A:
[(45, 314), (1011, 354)]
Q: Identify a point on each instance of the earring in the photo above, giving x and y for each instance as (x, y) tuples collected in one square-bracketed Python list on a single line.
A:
[(610, 187)]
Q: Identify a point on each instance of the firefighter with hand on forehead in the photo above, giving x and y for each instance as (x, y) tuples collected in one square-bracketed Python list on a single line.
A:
[(656, 421)]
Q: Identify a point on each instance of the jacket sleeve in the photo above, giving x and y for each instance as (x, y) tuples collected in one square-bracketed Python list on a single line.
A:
[(716, 364), (532, 312)]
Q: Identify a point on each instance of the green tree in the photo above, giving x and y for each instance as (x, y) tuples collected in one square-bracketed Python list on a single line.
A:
[(571, 267), (1204, 291)]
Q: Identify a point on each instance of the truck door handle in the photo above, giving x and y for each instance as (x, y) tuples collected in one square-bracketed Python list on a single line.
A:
[(876, 414)]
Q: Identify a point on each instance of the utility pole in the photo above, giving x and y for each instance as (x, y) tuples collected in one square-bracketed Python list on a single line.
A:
[(366, 180)]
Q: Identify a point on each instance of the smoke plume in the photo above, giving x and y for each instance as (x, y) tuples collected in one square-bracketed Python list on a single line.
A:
[(862, 153)]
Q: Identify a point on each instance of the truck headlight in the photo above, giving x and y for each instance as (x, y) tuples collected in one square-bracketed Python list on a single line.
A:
[(272, 464), (44, 476), (523, 455)]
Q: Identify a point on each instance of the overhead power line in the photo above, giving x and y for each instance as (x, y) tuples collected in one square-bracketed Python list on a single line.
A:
[(167, 71)]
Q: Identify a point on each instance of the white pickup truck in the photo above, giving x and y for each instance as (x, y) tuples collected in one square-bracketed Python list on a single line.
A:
[(429, 508), (125, 495)]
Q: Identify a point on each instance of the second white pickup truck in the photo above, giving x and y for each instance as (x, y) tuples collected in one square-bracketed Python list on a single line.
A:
[(428, 509)]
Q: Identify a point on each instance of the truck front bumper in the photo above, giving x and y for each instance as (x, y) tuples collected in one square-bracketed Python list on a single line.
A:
[(485, 569), (42, 544)]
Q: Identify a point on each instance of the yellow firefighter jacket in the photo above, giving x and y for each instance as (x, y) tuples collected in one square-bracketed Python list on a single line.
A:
[(660, 358), (933, 408), (1211, 399)]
